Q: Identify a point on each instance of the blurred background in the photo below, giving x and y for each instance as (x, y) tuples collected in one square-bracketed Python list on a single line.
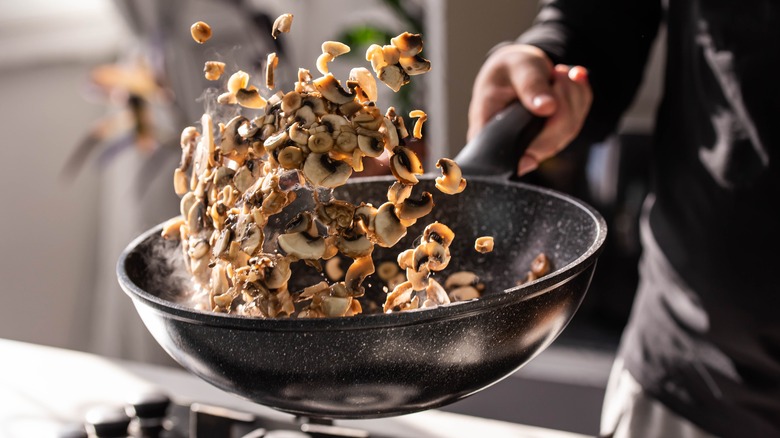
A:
[(97, 92)]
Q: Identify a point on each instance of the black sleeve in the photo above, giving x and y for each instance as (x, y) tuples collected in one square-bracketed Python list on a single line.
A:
[(611, 38)]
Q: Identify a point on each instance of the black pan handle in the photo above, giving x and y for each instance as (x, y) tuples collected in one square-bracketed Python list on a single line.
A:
[(499, 146)]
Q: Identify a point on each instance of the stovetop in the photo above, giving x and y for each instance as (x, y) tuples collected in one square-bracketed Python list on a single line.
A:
[(50, 392)]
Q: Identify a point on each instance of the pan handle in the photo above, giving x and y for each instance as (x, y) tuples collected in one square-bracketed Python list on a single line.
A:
[(499, 146)]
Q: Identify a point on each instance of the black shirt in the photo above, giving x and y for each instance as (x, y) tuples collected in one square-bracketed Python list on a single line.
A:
[(708, 347)]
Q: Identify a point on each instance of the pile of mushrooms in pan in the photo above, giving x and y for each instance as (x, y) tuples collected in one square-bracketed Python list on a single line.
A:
[(234, 176)]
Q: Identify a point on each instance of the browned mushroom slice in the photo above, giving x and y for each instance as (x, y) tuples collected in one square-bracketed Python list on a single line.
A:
[(353, 244), (270, 67), (451, 182), (432, 256), (320, 170), (365, 80), (405, 165), (290, 157), (415, 65), (250, 98), (409, 44), (484, 244), (231, 139), (200, 31), (398, 192), (213, 70), (330, 88), (282, 24), (421, 118), (172, 228), (435, 295), (279, 274), (394, 76), (237, 81), (406, 259), (358, 271)]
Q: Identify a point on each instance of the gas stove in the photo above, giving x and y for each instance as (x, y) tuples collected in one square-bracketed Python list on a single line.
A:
[(50, 392)]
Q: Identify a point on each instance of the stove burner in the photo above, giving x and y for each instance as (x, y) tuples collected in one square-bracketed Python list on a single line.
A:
[(155, 415)]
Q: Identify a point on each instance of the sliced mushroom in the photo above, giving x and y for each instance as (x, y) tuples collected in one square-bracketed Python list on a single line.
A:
[(333, 269), (346, 141), (250, 99), (394, 76), (387, 226), (318, 105), (291, 102), (231, 139), (335, 306), (461, 278), (180, 186), (200, 31), (451, 182), (290, 157), (398, 192), (484, 244), (322, 63), (336, 214), (305, 117), (418, 279), (251, 238), (172, 227), (365, 80), (409, 44), (270, 67), (227, 98), (331, 89), (321, 142), (302, 245), (334, 122), (406, 259), (438, 232), (391, 54), (376, 57), (365, 215), (275, 141), (354, 245), (391, 132), (405, 165), (213, 70), (400, 295), (237, 81), (298, 134), (415, 208), (432, 256), (320, 170), (421, 118), (372, 146), (435, 295), (282, 24), (387, 270), (415, 65), (464, 293), (279, 274), (357, 272)]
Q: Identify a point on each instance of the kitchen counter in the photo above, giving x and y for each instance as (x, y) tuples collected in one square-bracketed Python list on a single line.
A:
[(43, 388)]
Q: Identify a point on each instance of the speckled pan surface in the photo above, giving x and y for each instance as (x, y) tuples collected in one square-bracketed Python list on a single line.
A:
[(383, 365)]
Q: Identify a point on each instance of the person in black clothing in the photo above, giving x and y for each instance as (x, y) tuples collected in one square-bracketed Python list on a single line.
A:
[(700, 355)]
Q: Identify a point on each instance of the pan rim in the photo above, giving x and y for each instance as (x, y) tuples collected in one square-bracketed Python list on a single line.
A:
[(397, 319)]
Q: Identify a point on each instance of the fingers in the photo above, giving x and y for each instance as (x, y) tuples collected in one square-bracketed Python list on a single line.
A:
[(511, 72), (573, 96)]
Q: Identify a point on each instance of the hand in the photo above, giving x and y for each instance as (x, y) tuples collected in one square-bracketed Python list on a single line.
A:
[(561, 93)]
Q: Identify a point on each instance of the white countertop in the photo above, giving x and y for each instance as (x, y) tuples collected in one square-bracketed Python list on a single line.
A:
[(42, 388)]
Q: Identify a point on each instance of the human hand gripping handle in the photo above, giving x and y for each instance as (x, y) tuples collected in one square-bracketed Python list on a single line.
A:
[(507, 136), (497, 148)]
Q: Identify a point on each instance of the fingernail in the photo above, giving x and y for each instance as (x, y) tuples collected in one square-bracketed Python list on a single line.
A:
[(578, 73), (542, 100), (526, 165)]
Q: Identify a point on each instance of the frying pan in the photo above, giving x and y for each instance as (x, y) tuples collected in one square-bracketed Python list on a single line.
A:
[(378, 365)]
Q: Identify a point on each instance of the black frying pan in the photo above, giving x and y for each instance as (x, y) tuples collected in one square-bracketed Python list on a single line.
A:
[(390, 364)]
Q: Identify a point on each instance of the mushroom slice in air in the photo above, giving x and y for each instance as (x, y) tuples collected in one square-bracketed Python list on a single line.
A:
[(321, 170), (302, 245), (431, 256), (290, 157), (484, 244), (415, 65), (398, 192), (421, 118), (250, 98), (357, 272), (394, 76), (409, 44), (291, 102), (406, 259), (405, 165), (415, 208), (282, 24), (270, 67), (438, 232), (451, 181), (231, 139), (237, 81), (365, 80), (320, 143), (279, 274), (372, 145), (387, 226), (213, 70), (331, 90), (401, 294)]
